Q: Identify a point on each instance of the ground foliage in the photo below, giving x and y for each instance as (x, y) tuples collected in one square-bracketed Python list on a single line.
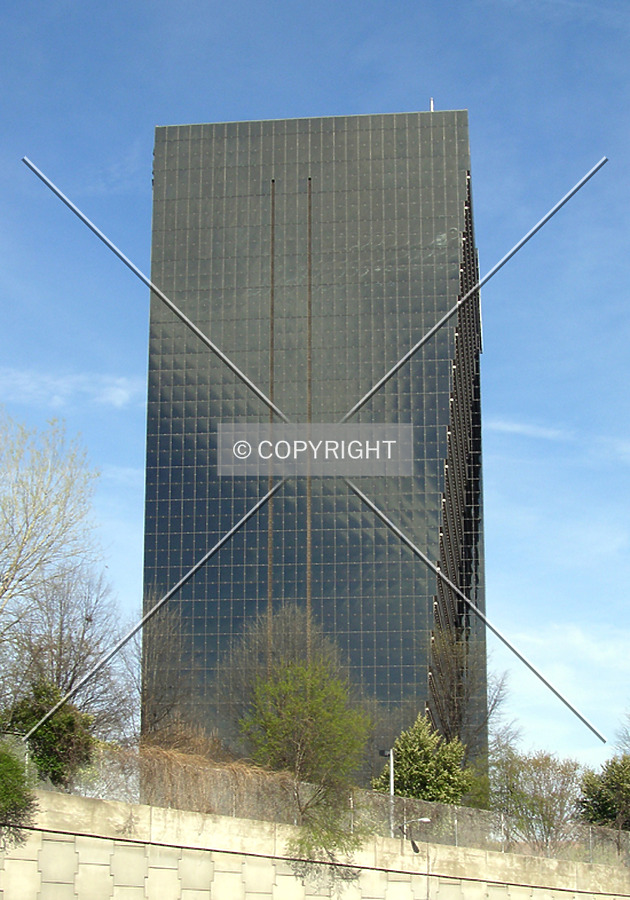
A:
[(56, 616), (426, 766), (66, 627), (17, 802), (63, 744)]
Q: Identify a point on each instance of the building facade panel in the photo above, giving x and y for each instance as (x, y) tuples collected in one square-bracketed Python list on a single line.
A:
[(314, 253)]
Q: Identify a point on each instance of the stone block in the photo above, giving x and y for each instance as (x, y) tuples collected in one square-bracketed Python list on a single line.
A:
[(317, 888), (58, 861), (373, 884), (28, 850), (350, 890), (259, 875), (228, 862), (283, 867), (94, 881), (188, 894), (228, 884), (498, 891), (475, 890), (129, 865), (159, 857), (163, 884), (398, 890), (50, 891), (94, 851), (196, 870), (517, 892), (450, 889), (20, 879), (288, 887), (126, 892), (419, 887)]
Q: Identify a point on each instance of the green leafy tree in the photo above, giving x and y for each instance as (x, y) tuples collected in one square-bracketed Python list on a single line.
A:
[(17, 802), (426, 766), (605, 796), (63, 744), (301, 721)]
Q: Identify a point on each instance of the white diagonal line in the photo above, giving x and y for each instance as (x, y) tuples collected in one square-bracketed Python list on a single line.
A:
[(149, 615), (493, 271), (437, 571), (156, 290)]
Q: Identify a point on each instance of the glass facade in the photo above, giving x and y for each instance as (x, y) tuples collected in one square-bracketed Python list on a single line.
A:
[(315, 253)]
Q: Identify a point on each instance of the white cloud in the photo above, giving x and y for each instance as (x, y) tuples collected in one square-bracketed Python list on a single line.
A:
[(58, 392), (589, 665), (595, 448), (526, 429)]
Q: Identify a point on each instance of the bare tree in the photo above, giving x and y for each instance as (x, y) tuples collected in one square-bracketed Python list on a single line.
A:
[(538, 794), (163, 687), (267, 644), (464, 700), (66, 625), (45, 503), (623, 735)]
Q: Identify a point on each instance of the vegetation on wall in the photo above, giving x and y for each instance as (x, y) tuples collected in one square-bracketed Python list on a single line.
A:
[(17, 802)]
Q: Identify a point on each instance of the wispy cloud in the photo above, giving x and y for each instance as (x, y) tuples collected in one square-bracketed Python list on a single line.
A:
[(58, 392), (116, 177), (589, 665), (615, 448), (526, 429), (598, 645), (594, 448)]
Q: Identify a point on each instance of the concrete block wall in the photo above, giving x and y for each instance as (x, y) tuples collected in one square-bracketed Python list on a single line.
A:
[(103, 850)]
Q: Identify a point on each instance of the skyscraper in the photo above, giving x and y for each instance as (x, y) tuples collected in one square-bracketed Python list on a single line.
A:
[(314, 253)]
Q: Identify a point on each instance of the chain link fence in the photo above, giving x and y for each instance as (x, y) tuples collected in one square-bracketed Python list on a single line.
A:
[(171, 778)]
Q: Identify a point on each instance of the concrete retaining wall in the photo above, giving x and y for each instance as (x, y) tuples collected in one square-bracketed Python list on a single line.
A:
[(104, 850)]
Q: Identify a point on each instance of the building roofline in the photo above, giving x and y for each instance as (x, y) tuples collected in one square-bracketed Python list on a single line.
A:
[(412, 112)]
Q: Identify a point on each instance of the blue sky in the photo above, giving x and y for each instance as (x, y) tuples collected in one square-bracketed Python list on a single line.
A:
[(546, 86)]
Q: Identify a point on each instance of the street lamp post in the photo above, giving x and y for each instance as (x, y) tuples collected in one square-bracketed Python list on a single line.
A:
[(403, 828), (390, 753)]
